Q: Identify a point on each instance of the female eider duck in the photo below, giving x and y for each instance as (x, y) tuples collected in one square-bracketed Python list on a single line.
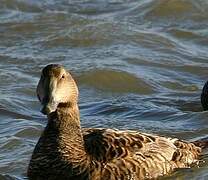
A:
[(65, 151)]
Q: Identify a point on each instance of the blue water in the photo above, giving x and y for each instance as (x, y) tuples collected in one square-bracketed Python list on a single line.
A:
[(138, 64)]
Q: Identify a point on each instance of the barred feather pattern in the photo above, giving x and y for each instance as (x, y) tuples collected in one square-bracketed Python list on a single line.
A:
[(134, 155), (60, 153), (109, 154), (66, 151)]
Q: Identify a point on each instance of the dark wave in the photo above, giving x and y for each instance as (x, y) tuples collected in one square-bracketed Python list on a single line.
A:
[(23, 6), (115, 81)]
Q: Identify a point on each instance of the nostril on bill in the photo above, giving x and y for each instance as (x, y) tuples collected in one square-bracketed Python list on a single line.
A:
[(49, 108)]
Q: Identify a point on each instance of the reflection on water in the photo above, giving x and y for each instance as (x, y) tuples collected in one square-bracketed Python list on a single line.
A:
[(139, 65)]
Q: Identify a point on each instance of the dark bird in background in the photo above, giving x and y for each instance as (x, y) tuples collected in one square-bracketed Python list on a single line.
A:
[(204, 97)]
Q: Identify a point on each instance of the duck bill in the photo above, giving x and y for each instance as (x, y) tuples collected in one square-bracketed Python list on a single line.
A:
[(49, 102), (49, 108)]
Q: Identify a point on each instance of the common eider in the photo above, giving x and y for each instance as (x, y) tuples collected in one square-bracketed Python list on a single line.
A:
[(65, 151)]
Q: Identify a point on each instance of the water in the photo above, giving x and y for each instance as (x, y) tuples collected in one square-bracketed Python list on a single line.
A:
[(139, 65)]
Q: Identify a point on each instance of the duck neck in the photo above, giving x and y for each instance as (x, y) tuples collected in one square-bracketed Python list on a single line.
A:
[(66, 121), (65, 124)]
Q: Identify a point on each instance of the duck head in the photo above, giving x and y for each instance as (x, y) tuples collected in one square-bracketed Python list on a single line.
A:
[(56, 86)]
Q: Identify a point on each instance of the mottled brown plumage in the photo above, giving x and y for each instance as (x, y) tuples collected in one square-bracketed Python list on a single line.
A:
[(65, 151)]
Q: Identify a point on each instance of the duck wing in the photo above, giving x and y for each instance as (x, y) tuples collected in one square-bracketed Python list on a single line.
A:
[(134, 155)]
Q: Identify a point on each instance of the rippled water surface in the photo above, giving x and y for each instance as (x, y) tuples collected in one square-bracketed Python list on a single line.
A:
[(139, 64)]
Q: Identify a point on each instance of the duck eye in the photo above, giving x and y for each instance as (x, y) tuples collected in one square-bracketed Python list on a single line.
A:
[(63, 76)]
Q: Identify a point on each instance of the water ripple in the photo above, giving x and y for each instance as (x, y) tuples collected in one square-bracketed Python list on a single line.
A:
[(138, 64)]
